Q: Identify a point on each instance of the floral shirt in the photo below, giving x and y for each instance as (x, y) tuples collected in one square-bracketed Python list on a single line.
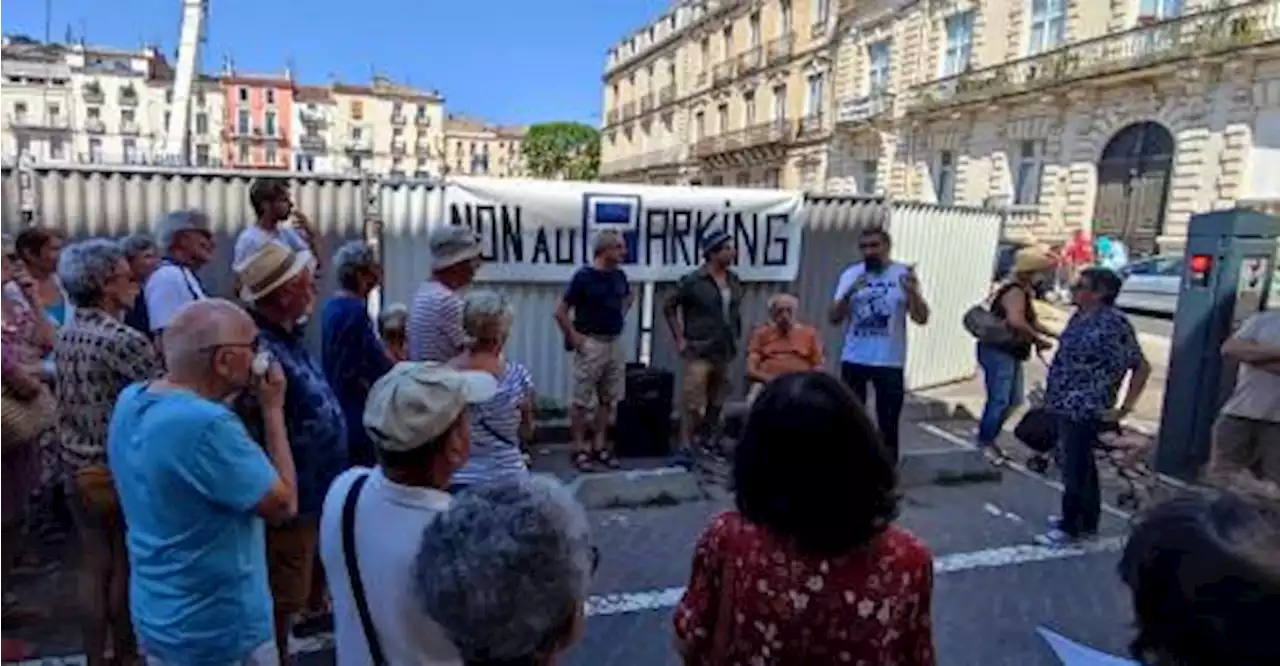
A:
[(96, 357), (869, 607), (1095, 352)]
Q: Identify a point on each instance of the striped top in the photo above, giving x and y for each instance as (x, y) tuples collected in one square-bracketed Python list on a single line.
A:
[(495, 430), (435, 324)]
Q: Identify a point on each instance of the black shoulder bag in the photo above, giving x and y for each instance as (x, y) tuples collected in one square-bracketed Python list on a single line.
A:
[(353, 571)]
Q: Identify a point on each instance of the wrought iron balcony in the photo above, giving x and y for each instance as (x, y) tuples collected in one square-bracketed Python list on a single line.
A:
[(128, 96), (31, 121), (750, 60), (93, 93), (1157, 43), (313, 143), (313, 117), (129, 127), (864, 108), (646, 102), (628, 110), (422, 150), (611, 117), (95, 126), (780, 49), (667, 94), (722, 72), (398, 119), (422, 120), (760, 134), (361, 145), (811, 126)]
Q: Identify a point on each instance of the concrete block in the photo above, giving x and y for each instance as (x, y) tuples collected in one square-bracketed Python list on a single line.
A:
[(663, 486), (945, 466)]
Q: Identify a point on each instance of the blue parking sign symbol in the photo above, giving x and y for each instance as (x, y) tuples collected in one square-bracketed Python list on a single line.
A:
[(616, 212)]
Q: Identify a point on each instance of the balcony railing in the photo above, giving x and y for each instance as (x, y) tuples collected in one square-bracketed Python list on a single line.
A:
[(363, 144), (95, 126), (701, 79), (780, 49), (422, 120), (864, 108), (811, 126), (722, 72), (750, 60), (646, 102), (1185, 37), (93, 94), (667, 94), (818, 29), (312, 143), (760, 134), (399, 119), (32, 121), (128, 97), (129, 127), (399, 149), (422, 150), (628, 110), (313, 117), (611, 117)]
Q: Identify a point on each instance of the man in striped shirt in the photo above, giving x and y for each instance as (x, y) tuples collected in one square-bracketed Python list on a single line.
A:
[(435, 319)]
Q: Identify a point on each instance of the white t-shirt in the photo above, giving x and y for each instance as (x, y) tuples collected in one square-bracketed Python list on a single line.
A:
[(169, 288), (388, 532), (1257, 393), (877, 333), (253, 237)]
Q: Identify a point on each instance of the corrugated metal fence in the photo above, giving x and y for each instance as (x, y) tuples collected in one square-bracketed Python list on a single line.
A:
[(954, 249)]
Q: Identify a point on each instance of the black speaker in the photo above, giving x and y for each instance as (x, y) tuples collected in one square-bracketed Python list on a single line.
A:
[(643, 427)]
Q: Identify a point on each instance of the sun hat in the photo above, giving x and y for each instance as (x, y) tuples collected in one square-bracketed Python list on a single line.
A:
[(273, 265)]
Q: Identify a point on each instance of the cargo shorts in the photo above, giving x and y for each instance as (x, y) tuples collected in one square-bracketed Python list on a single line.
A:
[(599, 372), (291, 554)]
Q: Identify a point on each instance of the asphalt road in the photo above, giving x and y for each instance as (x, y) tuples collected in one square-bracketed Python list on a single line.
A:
[(1150, 324)]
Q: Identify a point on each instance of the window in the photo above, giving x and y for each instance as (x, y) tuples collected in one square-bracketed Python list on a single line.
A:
[(716, 181), (243, 94), (202, 123), (878, 55), (269, 125), (57, 148), (784, 18), (780, 103), (271, 156), (130, 151), (93, 112), (867, 180), (705, 51), (244, 152), (357, 163), (1161, 10), (126, 116), (168, 96), (959, 48), (357, 110), (814, 96), (397, 133), (748, 109), (24, 145), (202, 154), (1027, 173), (200, 100), (821, 12), (55, 112), (744, 179), (1048, 24), (305, 163), (699, 125), (945, 178), (651, 79), (727, 39), (397, 109), (95, 150), (166, 120), (772, 178), (753, 29), (722, 118), (20, 110), (242, 121)]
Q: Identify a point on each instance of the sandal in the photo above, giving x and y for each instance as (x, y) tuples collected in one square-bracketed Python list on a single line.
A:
[(607, 459), (583, 461), (994, 454)]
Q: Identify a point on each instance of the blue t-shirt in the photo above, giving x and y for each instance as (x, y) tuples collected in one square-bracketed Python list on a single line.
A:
[(599, 300), (190, 479)]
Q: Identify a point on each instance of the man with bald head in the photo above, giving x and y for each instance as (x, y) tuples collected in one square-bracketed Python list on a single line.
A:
[(781, 345), (195, 489)]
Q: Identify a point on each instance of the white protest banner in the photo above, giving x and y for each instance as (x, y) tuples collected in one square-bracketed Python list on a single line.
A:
[(541, 231)]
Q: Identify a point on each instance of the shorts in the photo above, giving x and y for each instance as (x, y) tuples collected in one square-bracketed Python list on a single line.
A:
[(1241, 445), (291, 556), (100, 527), (599, 372), (706, 384)]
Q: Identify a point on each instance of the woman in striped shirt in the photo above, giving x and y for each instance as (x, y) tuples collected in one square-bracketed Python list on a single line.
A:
[(499, 426)]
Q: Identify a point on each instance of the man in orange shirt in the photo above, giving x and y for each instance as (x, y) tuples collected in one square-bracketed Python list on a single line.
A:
[(781, 345)]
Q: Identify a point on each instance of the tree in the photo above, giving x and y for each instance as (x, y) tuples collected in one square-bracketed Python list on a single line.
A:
[(562, 151)]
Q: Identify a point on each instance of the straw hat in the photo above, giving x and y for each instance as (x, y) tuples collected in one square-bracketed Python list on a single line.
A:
[(269, 268), (1032, 260)]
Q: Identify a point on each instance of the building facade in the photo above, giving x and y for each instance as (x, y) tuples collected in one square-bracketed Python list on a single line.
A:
[(722, 92), (314, 110), (475, 148), (258, 120), (1124, 117), (388, 128)]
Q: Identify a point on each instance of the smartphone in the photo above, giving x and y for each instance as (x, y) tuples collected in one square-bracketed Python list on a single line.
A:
[(261, 364)]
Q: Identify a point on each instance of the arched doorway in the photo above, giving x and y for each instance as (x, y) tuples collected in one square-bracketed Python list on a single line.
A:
[(1134, 172)]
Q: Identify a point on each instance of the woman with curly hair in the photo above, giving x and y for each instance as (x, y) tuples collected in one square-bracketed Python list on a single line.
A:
[(789, 578)]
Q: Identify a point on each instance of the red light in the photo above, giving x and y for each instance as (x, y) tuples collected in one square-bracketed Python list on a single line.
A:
[(1201, 263)]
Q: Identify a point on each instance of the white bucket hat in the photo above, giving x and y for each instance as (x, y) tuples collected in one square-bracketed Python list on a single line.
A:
[(452, 244), (270, 267)]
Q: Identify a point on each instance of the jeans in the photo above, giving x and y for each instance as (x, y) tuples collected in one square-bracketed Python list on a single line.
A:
[(1002, 375), (890, 388), (1081, 494)]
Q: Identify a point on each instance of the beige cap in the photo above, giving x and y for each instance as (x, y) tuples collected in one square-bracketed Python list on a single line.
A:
[(417, 402), (270, 267)]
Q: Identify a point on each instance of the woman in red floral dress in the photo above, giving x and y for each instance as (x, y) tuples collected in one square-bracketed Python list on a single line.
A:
[(810, 568)]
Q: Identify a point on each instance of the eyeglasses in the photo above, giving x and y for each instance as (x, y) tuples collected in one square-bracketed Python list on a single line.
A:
[(255, 344)]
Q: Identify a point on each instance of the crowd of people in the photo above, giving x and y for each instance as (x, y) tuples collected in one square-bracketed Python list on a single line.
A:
[(230, 487)]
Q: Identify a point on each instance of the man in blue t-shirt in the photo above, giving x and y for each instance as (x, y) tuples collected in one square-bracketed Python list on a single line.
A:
[(194, 490), (598, 297)]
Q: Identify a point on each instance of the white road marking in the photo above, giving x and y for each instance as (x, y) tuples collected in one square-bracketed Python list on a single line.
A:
[(1001, 513), (1017, 467), (623, 603)]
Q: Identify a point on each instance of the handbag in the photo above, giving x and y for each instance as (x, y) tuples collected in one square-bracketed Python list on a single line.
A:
[(24, 420), (1038, 430), (988, 328)]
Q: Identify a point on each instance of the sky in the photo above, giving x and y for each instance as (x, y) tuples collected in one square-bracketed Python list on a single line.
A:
[(507, 61)]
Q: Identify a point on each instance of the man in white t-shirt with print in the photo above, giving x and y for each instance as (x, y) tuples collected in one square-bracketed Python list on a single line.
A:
[(417, 417), (874, 297), (273, 205), (186, 241)]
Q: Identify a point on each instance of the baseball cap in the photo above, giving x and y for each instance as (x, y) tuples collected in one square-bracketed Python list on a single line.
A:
[(415, 403)]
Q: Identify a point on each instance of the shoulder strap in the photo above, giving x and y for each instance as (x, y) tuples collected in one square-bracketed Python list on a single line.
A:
[(497, 435), (353, 570)]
